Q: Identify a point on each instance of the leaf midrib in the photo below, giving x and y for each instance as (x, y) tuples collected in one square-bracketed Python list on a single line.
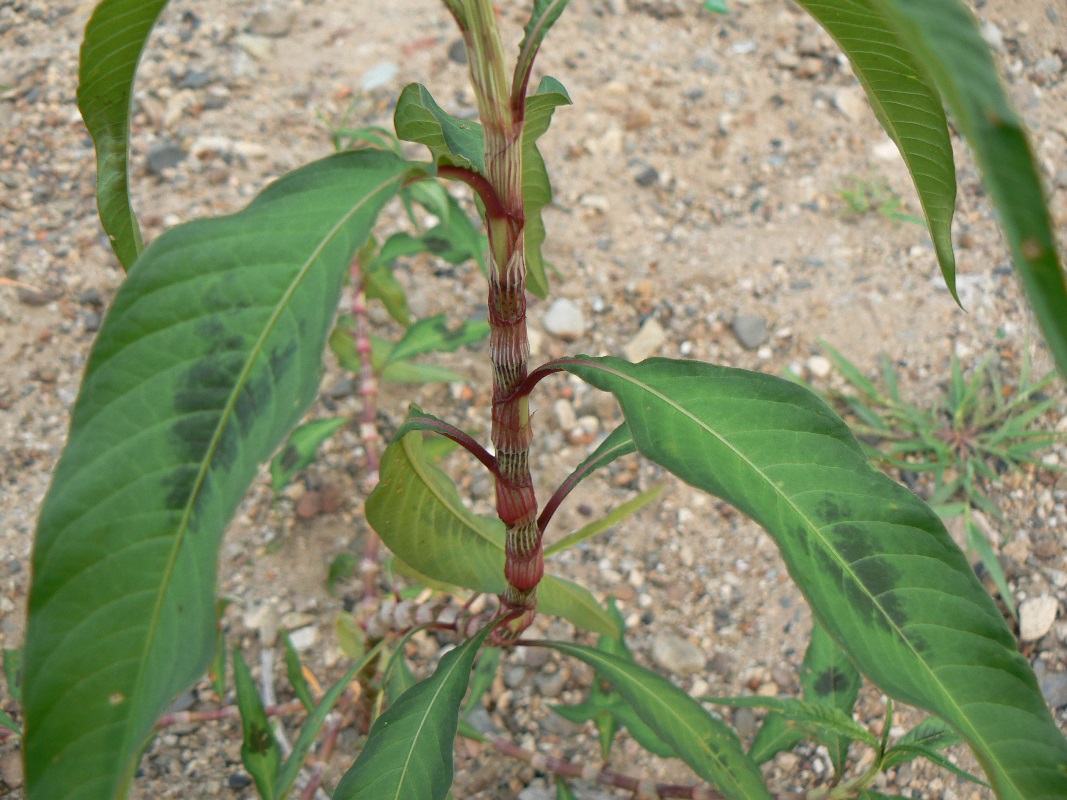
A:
[(844, 565), (227, 413)]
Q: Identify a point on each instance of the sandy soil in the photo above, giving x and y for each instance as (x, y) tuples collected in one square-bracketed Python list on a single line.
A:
[(698, 177)]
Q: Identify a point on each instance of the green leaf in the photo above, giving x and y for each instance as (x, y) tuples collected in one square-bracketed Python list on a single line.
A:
[(417, 511), (702, 741), (877, 566), (217, 669), (607, 522), (409, 372), (309, 731), (295, 672), (432, 335), (13, 672), (7, 722), (114, 40), (259, 749), (536, 189), (775, 735), (342, 567), (542, 18), (484, 671), (408, 755), (563, 791), (814, 719), (210, 354), (981, 545), (716, 6), (925, 740), (301, 449), (945, 39), (351, 638), (451, 140), (907, 104), (829, 678)]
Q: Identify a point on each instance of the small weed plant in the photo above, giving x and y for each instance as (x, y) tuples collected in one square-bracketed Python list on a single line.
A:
[(210, 356), (980, 429)]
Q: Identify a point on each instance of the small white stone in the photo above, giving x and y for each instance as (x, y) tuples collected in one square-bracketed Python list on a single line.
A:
[(304, 638), (564, 319), (647, 342), (1036, 616), (819, 366), (852, 102), (677, 655)]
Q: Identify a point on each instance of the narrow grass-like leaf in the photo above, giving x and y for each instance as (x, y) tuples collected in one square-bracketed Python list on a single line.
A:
[(606, 522), (432, 335), (536, 189), (417, 511), (876, 564), (259, 749), (309, 731), (408, 755), (114, 39), (211, 352), (563, 790), (12, 658), (818, 721), (300, 450), (945, 39), (908, 105), (701, 740), (294, 670)]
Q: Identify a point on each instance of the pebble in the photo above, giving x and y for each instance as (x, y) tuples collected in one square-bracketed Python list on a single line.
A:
[(551, 685), (1036, 616), (1053, 685), (646, 175), (809, 67), (564, 319), (647, 342), (786, 59), (195, 79), (163, 156), (852, 102), (751, 331), (677, 655), (271, 22), (457, 52), (238, 781), (260, 48), (819, 366), (11, 768), (378, 76), (745, 722), (514, 677), (304, 639)]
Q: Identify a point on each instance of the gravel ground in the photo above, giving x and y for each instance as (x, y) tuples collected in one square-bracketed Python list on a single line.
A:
[(698, 213)]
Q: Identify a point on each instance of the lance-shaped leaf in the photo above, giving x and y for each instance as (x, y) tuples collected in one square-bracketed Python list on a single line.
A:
[(114, 39), (408, 755), (300, 449), (906, 102), (209, 355), (816, 720), (417, 511), (829, 678), (945, 39), (259, 749), (876, 564), (536, 189), (432, 335), (701, 740), (542, 18)]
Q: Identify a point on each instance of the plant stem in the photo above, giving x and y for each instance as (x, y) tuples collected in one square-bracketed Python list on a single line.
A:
[(508, 344)]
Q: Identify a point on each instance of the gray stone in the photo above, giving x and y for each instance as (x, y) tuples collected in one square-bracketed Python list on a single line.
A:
[(750, 330), (1053, 685), (272, 22), (551, 685), (457, 52), (378, 76), (647, 342), (514, 677), (745, 722), (647, 175), (195, 79), (163, 156), (677, 655), (564, 319)]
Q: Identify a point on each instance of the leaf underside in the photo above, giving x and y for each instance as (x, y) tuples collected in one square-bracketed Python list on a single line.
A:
[(876, 564), (209, 355)]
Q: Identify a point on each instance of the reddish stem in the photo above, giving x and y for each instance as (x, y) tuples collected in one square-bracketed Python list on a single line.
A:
[(494, 207)]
